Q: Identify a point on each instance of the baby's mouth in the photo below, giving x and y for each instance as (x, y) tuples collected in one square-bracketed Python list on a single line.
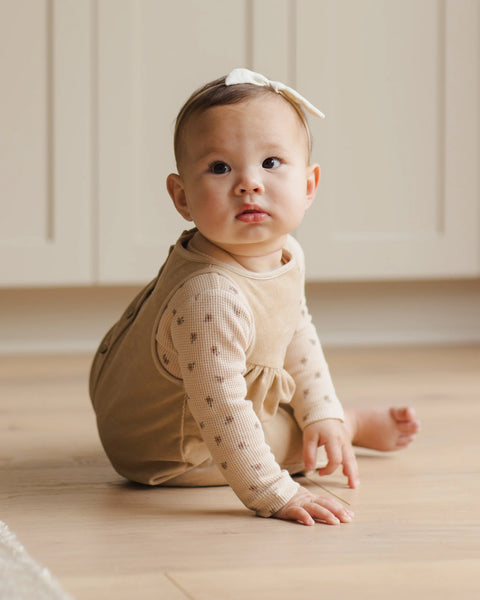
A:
[(252, 214)]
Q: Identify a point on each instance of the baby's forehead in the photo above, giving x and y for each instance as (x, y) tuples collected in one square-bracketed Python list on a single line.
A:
[(271, 103), (271, 115)]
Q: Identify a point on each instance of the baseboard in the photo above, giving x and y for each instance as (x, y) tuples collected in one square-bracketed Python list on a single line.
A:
[(73, 320), (396, 313)]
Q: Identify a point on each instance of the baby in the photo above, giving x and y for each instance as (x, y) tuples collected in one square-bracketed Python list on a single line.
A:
[(214, 374)]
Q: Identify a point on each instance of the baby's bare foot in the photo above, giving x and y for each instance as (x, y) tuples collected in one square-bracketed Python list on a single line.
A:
[(382, 429)]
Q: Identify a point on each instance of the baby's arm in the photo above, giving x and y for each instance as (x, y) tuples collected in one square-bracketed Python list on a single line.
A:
[(315, 403), (211, 331), (212, 328)]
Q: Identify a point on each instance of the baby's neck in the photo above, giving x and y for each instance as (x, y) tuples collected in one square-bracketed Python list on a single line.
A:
[(257, 264)]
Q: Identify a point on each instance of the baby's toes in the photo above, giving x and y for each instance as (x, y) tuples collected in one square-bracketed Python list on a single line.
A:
[(408, 427), (404, 440), (403, 415)]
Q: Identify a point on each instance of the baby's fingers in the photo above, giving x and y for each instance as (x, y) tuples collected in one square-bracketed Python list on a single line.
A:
[(350, 467), (331, 511), (295, 513), (334, 454), (325, 515), (310, 447), (308, 514), (325, 510)]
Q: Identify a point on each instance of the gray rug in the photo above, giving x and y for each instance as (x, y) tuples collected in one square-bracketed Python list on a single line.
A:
[(21, 578)]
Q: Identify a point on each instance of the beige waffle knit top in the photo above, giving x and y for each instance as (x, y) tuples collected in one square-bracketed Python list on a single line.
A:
[(201, 358)]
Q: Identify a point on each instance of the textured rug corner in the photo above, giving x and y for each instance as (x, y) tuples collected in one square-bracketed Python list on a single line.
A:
[(21, 578)]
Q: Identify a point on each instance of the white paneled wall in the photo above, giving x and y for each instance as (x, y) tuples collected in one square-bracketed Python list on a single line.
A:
[(46, 142), (92, 90), (400, 148)]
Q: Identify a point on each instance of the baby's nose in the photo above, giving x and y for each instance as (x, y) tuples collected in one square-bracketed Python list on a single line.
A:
[(249, 184)]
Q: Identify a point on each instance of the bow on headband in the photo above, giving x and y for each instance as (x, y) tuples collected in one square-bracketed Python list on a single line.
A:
[(246, 76)]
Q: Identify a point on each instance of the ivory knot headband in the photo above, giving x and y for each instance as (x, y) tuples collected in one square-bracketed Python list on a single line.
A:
[(238, 76)]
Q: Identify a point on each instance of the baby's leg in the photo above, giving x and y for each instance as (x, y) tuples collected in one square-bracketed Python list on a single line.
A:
[(206, 474), (382, 429)]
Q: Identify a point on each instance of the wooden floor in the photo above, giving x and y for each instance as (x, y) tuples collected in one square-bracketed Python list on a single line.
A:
[(416, 532)]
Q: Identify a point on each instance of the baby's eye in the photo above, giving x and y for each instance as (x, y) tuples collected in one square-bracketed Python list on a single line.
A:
[(271, 163), (219, 168)]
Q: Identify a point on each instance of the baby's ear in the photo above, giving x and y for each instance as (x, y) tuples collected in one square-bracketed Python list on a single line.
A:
[(313, 179), (177, 194)]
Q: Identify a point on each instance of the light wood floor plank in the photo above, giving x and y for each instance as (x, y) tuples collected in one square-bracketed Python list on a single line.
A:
[(443, 580)]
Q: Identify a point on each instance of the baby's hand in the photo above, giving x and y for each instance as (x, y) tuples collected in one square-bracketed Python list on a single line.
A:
[(308, 508), (332, 434)]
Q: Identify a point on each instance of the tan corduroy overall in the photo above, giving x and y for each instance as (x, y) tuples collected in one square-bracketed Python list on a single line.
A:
[(143, 415)]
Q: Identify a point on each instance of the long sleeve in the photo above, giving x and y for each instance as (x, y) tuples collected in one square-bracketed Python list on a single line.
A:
[(211, 332), (315, 398)]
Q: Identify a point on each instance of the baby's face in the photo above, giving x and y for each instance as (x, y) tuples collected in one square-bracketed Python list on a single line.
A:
[(244, 175)]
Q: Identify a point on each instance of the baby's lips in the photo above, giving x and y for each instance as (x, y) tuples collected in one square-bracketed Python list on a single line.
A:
[(252, 213), (252, 208), (252, 216)]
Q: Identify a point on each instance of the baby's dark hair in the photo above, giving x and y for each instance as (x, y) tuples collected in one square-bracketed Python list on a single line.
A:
[(216, 93)]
